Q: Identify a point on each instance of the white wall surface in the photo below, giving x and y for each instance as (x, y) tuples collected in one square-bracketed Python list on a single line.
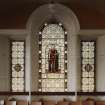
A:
[(100, 74), (4, 64)]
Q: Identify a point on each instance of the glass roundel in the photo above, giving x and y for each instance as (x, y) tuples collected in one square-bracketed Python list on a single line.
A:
[(53, 58)]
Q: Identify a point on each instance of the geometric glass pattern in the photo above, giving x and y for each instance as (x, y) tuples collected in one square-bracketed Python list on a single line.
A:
[(52, 58), (17, 66), (88, 65)]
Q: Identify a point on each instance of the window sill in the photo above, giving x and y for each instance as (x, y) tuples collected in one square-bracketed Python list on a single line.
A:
[(53, 93)]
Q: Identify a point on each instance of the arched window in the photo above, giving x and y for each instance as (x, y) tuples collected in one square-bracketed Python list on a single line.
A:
[(53, 58)]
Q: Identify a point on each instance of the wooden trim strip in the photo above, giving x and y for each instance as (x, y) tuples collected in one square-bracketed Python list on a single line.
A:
[(13, 93), (54, 93), (91, 93)]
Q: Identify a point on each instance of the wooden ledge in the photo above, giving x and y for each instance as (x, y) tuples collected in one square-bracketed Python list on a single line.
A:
[(34, 93), (13, 93), (53, 93)]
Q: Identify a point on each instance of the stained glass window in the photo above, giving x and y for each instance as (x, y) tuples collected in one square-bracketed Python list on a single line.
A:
[(18, 70), (53, 58), (88, 66)]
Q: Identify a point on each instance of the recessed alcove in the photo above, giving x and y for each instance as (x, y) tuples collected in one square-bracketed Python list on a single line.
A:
[(49, 13)]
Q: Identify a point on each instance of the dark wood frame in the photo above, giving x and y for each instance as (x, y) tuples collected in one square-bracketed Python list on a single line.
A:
[(94, 64), (53, 93), (11, 63), (7, 93)]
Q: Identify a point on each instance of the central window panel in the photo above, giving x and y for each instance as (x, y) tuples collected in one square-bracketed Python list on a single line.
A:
[(53, 58)]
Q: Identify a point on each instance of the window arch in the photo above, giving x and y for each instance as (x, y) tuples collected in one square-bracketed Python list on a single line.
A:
[(53, 58)]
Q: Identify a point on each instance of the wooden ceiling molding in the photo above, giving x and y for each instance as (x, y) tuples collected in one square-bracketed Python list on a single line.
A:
[(16, 15)]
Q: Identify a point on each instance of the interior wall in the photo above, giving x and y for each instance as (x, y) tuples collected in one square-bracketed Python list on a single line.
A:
[(27, 64), (74, 62), (78, 69), (4, 63), (38, 18), (100, 74)]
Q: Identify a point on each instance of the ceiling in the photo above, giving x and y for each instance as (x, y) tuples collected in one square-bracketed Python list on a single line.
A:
[(15, 13), (6, 5)]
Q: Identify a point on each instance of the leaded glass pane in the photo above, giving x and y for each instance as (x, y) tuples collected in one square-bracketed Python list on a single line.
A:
[(17, 67), (53, 31), (53, 51), (88, 66)]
